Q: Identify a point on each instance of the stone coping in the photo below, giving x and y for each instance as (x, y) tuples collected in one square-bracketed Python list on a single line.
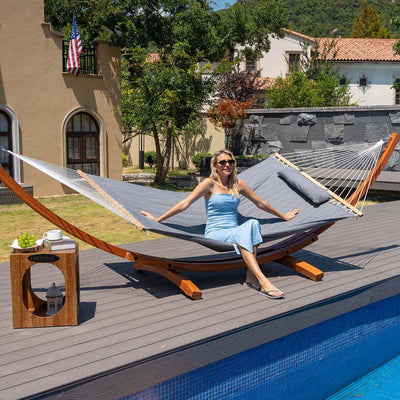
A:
[(323, 109)]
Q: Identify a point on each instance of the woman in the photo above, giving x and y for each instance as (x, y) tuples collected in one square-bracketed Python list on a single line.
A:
[(221, 193)]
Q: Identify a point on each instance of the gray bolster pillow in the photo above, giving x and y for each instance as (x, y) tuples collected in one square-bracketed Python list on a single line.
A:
[(312, 191)]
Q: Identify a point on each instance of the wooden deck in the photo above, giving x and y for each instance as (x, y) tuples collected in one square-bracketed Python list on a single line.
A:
[(137, 329)]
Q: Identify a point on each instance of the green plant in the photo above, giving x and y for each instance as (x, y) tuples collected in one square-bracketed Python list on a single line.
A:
[(150, 157), (297, 90), (396, 85), (125, 160), (242, 157), (196, 159)]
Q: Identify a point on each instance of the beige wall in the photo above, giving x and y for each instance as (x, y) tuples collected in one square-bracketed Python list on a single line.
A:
[(213, 140), (275, 63), (41, 98)]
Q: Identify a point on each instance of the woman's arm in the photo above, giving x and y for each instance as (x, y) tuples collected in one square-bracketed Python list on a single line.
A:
[(245, 190), (200, 190)]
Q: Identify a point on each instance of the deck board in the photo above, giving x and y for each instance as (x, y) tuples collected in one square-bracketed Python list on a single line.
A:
[(133, 325)]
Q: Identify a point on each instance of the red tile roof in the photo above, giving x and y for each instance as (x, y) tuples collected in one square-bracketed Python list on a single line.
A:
[(351, 49), (290, 32), (264, 83), (153, 57), (355, 49)]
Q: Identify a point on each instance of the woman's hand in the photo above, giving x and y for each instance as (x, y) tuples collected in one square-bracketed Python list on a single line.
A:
[(148, 215), (290, 214)]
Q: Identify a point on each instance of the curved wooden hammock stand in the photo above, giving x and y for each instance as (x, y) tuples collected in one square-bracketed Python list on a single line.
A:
[(169, 268)]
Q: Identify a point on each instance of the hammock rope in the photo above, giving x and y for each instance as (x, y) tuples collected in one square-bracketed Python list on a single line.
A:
[(73, 179)]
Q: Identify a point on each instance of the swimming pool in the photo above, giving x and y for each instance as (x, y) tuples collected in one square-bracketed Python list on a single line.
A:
[(382, 383), (311, 364)]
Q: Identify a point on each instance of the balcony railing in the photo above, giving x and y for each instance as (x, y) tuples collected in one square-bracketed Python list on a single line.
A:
[(88, 58)]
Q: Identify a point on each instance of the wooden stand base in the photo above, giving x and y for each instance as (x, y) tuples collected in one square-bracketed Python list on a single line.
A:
[(302, 267), (28, 309)]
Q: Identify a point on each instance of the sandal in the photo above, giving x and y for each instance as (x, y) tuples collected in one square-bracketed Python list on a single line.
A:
[(267, 294)]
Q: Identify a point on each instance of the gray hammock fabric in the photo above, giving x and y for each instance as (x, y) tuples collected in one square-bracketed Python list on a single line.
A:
[(189, 225)]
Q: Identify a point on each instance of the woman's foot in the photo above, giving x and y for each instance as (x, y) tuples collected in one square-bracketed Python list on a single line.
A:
[(253, 285), (265, 286), (271, 291)]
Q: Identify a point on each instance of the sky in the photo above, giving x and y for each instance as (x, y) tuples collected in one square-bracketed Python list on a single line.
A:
[(220, 4)]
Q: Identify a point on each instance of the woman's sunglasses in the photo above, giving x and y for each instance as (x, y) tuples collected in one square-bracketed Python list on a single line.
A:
[(224, 162)]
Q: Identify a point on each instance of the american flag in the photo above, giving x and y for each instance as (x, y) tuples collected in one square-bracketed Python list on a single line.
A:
[(74, 51)]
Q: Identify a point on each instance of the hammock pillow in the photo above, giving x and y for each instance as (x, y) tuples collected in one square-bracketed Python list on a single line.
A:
[(313, 192)]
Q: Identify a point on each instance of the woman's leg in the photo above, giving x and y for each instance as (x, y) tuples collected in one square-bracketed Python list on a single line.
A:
[(252, 265), (250, 278)]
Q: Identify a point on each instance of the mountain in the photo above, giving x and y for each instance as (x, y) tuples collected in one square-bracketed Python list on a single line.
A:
[(317, 18)]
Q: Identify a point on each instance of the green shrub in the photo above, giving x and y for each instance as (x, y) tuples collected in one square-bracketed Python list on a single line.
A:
[(125, 160), (150, 157), (260, 156), (196, 159)]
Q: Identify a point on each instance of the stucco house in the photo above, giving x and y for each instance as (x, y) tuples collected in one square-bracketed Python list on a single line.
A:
[(368, 65), (371, 67), (50, 114)]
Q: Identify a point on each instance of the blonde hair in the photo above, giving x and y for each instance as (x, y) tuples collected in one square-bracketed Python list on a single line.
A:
[(233, 185)]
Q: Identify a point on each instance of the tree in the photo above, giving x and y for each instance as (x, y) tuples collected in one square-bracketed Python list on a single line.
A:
[(318, 18), (246, 26), (299, 91), (369, 24), (235, 95), (166, 97), (164, 100), (396, 46), (237, 85)]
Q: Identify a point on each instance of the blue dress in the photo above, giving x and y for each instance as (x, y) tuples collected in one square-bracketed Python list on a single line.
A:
[(222, 223)]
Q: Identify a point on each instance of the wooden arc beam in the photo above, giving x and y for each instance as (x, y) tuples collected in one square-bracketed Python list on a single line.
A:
[(307, 269), (169, 267), (163, 266), (374, 173)]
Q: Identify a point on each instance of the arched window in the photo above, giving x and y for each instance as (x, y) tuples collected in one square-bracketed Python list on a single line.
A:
[(83, 143), (5, 142)]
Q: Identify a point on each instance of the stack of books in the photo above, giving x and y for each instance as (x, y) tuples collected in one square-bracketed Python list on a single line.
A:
[(63, 244)]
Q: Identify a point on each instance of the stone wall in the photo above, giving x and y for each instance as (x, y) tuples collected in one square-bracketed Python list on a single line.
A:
[(266, 131), (9, 197)]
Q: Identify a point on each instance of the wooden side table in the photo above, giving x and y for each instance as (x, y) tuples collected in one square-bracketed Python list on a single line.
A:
[(28, 309)]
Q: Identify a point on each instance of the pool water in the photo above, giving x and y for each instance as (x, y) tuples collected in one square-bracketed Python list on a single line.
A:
[(311, 364), (383, 383)]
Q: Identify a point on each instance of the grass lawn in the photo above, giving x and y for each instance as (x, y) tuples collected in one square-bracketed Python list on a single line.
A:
[(135, 170), (76, 209)]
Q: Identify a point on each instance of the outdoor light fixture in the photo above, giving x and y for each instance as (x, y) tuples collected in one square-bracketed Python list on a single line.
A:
[(54, 298), (363, 81)]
